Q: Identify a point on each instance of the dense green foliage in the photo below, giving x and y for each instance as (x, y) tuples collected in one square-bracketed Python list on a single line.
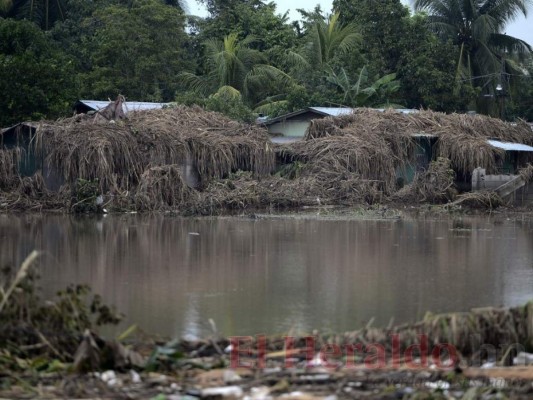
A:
[(244, 58), (487, 57), (36, 78)]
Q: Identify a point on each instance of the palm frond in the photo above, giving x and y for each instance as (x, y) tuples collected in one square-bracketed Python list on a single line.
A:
[(270, 106), (198, 84), (509, 44), (5, 6), (483, 27), (296, 60), (505, 11)]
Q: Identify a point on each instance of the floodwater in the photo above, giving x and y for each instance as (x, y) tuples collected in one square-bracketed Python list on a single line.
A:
[(263, 276)]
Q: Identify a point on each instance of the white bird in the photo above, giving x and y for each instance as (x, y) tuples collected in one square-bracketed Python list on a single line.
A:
[(318, 201)]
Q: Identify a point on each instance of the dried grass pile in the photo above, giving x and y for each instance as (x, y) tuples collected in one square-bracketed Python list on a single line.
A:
[(9, 160), (118, 152), (216, 145), (462, 138), (242, 191), (162, 188), (526, 173), (357, 157), (483, 199), (137, 159), (369, 158), (436, 185)]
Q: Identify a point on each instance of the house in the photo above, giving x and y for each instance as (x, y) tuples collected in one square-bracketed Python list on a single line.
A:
[(292, 126), (88, 106)]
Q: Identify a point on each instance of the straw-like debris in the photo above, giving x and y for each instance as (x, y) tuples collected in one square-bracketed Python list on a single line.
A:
[(436, 185), (483, 199), (9, 160), (189, 160), (461, 138), (162, 188), (117, 153), (526, 173)]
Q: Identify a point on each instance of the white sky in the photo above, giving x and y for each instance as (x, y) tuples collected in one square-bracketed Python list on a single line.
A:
[(521, 28)]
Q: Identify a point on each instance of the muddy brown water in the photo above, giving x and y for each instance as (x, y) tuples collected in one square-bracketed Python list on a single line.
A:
[(264, 276)]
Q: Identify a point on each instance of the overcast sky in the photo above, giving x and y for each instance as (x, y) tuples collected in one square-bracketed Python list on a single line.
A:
[(522, 28)]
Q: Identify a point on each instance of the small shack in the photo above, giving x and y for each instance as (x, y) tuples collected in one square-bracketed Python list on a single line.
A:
[(292, 126), (295, 124)]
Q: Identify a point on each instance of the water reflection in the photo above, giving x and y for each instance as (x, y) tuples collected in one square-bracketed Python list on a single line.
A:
[(171, 275)]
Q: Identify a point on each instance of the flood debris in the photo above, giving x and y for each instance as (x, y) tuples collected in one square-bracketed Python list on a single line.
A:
[(52, 349), (190, 161), (436, 185)]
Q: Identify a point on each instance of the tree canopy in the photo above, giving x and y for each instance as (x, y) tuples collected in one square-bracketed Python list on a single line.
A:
[(36, 78), (245, 57), (486, 53)]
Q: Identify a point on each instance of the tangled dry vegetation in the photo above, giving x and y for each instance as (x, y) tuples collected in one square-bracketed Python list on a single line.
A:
[(192, 161), (462, 138)]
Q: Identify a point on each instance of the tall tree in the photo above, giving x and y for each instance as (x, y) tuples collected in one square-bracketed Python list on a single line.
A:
[(45, 13), (232, 63), (476, 27), (36, 78), (331, 38), (382, 24), (247, 18), (426, 69), (136, 50)]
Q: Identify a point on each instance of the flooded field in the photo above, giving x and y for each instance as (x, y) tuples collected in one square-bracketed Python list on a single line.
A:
[(252, 276)]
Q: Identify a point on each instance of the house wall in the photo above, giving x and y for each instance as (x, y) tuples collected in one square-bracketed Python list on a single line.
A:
[(31, 162), (481, 181), (291, 128)]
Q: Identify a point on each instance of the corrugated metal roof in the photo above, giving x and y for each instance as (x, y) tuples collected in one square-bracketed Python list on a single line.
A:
[(127, 105), (327, 111), (333, 111), (507, 146), (336, 111), (400, 110)]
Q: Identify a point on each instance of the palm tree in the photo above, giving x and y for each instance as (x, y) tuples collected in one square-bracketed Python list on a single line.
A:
[(487, 57), (43, 12), (328, 39), (5, 6), (234, 64)]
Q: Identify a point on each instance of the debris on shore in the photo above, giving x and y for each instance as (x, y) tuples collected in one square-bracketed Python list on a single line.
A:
[(52, 349), (194, 162)]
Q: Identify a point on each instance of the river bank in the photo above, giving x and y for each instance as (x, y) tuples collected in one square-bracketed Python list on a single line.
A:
[(51, 349), (481, 355)]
